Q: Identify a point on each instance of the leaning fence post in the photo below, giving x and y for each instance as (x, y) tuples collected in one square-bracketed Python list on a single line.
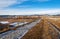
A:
[(59, 35)]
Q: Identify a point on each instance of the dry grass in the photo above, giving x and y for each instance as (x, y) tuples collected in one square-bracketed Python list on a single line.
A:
[(17, 20), (55, 21), (41, 30), (35, 32), (21, 20)]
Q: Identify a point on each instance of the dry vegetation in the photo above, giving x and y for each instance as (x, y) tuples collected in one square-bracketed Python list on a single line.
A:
[(10, 20), (21, 20), (55, 21), (35, 32), (43, 29), (17, 20)]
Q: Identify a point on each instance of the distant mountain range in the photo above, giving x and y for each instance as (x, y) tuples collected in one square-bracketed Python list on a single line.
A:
[(4, 16)]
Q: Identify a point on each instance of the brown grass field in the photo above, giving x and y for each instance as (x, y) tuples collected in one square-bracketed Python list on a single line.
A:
[(55, 21), (18, 20), (43, 29)]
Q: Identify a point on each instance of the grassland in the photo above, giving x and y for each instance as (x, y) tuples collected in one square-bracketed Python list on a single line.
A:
[(17, 20), (55, 21), (43, 30), (35, 32)]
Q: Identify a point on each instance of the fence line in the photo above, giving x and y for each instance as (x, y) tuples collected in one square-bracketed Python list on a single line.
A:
[(54, 31)]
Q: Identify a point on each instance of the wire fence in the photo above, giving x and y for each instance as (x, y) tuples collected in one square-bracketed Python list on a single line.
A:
[(54, 31)]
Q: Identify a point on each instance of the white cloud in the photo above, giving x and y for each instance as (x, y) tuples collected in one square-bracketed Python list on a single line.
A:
[(28, 12), (6, 3)]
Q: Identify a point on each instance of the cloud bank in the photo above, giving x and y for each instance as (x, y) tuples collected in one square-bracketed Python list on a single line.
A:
[(29, 12)]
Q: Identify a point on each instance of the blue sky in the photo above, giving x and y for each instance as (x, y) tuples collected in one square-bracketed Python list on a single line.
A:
[(37, 4), (12, 7)]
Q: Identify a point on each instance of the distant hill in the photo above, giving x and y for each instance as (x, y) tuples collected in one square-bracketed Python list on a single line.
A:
[(4, 16), (57, 15)]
